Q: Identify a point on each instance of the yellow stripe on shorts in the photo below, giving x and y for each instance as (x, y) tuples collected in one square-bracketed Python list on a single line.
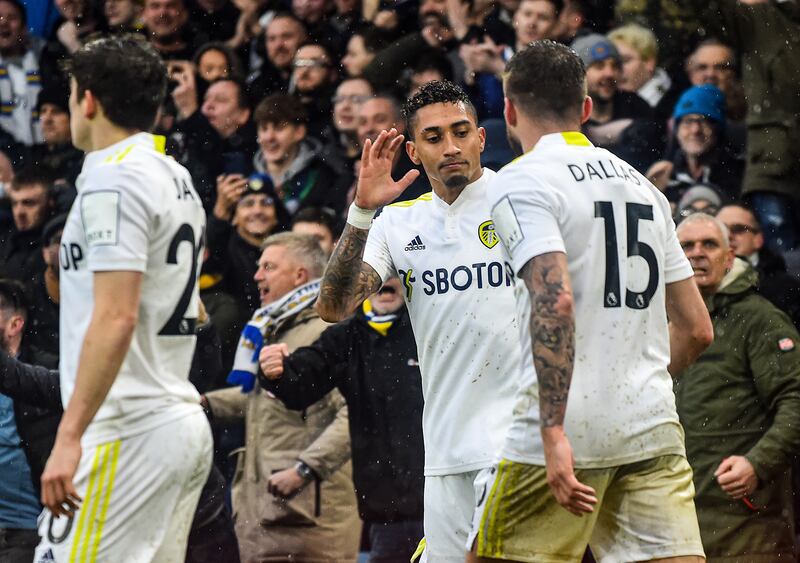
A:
[(98, 494), (489, 516)]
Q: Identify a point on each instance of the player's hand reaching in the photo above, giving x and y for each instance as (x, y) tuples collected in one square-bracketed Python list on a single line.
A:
[(58, 490), (376, 187), (736, 476), (285, 483), (570, 493), (271, 360)]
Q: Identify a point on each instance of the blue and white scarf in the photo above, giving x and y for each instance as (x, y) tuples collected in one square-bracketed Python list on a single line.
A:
[(262, 326)]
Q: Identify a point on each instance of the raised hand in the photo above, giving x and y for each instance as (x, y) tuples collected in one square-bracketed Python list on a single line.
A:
[(271, 360), (376, 187)]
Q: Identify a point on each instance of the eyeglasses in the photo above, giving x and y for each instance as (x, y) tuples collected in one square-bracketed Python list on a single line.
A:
[(740, 229), (310, 63), (357, 100), (695, 120)]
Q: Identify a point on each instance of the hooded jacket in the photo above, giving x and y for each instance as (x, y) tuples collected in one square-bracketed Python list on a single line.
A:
[(742, 397), (309, 181)]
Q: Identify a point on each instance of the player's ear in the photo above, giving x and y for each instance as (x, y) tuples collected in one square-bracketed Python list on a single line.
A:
[(509, 112), (89, 105), (588, 104), (482, 136), (411, 151)]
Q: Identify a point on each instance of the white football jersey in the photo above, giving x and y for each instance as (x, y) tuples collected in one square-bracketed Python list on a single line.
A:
[(136, 210), (460, 297), (617, 232)]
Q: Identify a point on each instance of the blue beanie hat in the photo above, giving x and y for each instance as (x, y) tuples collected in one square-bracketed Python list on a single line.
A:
[(706, 100)]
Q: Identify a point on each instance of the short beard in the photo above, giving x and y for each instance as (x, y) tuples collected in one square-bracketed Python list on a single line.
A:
[(514, 143), (457, 182)]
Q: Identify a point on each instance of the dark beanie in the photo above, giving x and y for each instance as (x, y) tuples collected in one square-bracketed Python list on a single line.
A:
[(52, 94)]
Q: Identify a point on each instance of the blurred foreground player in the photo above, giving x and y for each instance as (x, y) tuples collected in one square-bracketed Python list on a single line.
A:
[(133, 448), (599, 270)]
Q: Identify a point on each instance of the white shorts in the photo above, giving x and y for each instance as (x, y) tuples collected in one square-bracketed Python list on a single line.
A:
[(449, 507), (139, 498)]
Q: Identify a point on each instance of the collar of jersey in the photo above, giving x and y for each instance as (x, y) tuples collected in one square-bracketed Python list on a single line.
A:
[(117, 152), (572, 138), (471, 191)]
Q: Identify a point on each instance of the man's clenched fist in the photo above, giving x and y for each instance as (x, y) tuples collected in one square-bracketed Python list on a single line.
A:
[(271, 360)]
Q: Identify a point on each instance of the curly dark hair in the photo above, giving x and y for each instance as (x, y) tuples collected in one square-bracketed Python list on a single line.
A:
[(435, 92), (127, 76)]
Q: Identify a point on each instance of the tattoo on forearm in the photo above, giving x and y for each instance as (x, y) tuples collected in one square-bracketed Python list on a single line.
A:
[(552, 326), (347, 280)]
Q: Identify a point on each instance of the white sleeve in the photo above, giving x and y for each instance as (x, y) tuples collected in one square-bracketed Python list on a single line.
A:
[(676, 265), (376, 252), (117, 220), (525, 215)]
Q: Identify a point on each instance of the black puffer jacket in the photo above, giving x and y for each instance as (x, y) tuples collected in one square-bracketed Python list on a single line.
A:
[(380, 380)]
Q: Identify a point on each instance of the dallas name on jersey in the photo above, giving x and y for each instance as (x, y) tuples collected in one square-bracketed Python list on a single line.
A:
[(460, 296)]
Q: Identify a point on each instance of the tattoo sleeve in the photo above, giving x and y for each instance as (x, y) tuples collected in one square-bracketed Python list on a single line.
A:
[(347, 280), (552, 326)]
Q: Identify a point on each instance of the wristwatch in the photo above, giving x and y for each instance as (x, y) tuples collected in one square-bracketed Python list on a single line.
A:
[(305, 471)]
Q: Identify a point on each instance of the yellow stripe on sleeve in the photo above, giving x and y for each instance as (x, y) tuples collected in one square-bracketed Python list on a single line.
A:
[(106, 499), (419, 551), (84, 509), (160, 142)]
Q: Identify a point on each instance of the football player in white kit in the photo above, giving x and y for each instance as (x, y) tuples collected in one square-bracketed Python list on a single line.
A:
[(458, 290), (133, 448), (600, 271)]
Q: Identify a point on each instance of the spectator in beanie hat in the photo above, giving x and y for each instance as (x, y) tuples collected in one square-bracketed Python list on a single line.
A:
[(246, 212), (701, 153)]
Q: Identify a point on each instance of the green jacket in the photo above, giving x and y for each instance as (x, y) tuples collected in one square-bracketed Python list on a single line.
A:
[(767, 38), (742, 397)]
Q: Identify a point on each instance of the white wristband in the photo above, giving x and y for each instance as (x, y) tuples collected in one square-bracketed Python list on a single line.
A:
[(360, 218)]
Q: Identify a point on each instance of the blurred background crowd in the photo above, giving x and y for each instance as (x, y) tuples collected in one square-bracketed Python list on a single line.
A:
[(269, 103)]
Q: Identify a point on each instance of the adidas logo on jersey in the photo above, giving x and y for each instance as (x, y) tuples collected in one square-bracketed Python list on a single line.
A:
[(47, 557), (415, 244)]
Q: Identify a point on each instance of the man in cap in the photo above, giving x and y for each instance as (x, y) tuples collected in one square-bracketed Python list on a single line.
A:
[(621, 122)]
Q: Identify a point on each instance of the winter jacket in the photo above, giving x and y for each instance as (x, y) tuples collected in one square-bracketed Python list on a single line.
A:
[(380, 380), (21, 255), (320, 523), (767, 38), (777, 286), (742, 397)]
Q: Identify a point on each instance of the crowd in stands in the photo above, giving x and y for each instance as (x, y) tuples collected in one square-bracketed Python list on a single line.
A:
[(269, 104)]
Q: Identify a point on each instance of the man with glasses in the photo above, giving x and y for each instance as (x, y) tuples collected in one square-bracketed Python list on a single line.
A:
[(312, 82), (703, 154), (747, 241)]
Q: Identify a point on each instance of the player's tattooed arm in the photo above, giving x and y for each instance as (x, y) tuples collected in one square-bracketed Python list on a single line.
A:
[(552, 326), (348, 280)]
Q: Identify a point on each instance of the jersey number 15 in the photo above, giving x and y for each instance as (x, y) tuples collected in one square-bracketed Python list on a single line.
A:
[(634, 212)]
